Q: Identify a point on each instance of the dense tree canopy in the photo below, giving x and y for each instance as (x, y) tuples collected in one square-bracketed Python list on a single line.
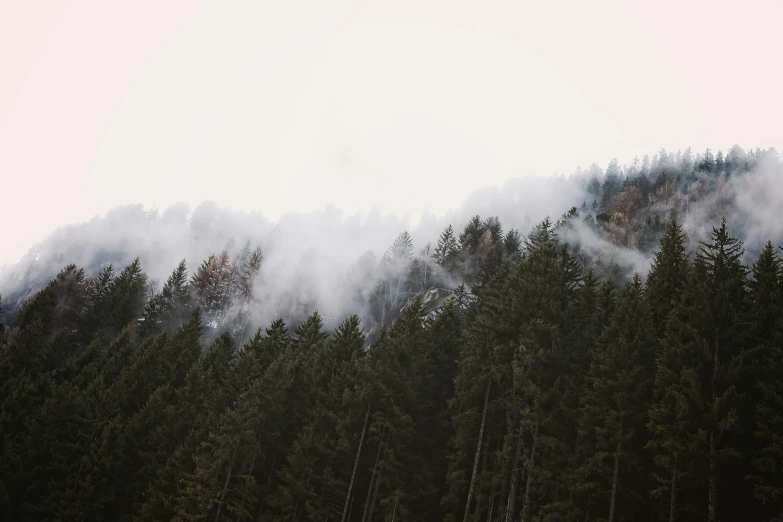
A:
[(498, 377)]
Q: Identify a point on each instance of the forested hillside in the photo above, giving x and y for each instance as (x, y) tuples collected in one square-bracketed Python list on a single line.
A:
[(621, 362)]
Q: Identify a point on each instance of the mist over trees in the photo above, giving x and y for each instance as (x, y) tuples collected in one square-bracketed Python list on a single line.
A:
[(619, 362)]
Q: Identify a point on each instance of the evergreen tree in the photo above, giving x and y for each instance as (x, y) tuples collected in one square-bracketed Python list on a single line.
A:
[(616, 399), (214, 284), (720, 163), (513, 243), (447, 250), (538, 390), (695, 409), (166, 310), (471, 235), (125, 299), (761, 406), (612, 183), (668, 275)]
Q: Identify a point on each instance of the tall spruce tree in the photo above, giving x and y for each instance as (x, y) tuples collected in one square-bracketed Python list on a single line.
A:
[(763, 403), (668, 275), (447, 250), (698, 371), (615, 401)]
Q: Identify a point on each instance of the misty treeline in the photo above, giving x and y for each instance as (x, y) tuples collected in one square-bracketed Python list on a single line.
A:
[(492, 377), (321, 260)]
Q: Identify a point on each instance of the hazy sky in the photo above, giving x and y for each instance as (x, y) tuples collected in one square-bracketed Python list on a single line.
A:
[(400, 105)]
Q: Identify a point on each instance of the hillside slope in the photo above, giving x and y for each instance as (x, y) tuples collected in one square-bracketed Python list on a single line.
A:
[(492, 376)]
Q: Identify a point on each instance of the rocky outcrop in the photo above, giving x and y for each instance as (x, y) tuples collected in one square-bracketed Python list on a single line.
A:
[(431, 300)]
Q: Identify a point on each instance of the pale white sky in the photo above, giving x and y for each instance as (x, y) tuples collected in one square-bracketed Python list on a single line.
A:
[(402, 105)]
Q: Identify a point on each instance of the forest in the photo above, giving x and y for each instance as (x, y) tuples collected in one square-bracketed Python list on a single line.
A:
[(497, 376)]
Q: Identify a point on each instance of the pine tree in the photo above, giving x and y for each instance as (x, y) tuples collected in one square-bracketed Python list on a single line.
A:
[(617, 396), (767, 473), (544, 401), (612, 183), (214, 283), (764, 296), (761, 405), (401, 249), (513, 243), (125, 299), (495, 228), (541, 234), (314, 468), (210, 388), (391, 291), (695, 411), (720, 164), (668, 275), (166, 310), (708, 162), (475, 393), (247, 268), (447, 250), (471, 235)]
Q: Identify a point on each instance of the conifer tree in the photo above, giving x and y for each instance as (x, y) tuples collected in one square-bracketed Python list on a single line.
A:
[(668, 275), (214, 284), (616, 396), (475, 392), (166, 310), (471, 235), (513, 243), (447, 250), (767, 475), (125, 299), (761, 406), (699, 368)]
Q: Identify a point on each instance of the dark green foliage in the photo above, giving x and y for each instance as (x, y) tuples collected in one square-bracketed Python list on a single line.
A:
[(612, 183), (535, 391), (763, 403), (471, 235), (447, 251), (125, 301), (617, 395), (167, 310), (513, 242), (668, 275), (698, 382)]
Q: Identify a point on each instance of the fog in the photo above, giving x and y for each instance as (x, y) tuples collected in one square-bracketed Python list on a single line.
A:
[(326, 260), (311, 260)]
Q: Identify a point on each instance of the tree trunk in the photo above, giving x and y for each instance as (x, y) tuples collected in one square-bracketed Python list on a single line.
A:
[(374, 497), (491, 504), (350, 510), (394, 512), (673, 496), (250, 473), (478, 453), (268, 483), (529, 485), (242, 330), (613, 499), (712, 511), (483, 472), (512, 495), (225, 485), (355, 465), (713, 493), (372, 480)]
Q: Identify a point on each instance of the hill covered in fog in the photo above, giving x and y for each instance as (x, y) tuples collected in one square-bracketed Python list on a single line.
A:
[(620, 361)]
